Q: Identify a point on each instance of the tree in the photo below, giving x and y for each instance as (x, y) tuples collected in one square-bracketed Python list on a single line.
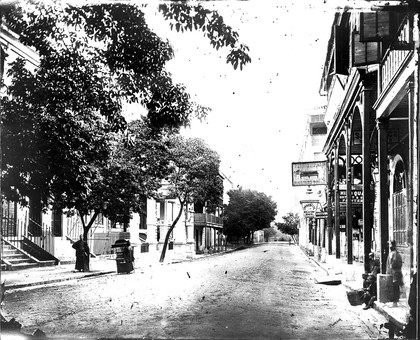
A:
[(194, 177), (269, 232), (59, 120), (247, 212), (290, 224)]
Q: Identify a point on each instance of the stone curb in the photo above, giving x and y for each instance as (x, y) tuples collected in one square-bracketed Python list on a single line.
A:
[(61, 279), (101, 273)]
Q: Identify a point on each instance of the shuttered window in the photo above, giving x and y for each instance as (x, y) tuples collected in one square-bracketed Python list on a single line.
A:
[(399, 200), (374, 26), (365, 53), (342, 50), (56, 222)]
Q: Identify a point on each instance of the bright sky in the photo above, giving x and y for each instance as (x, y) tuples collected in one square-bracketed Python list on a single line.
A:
[(258, 114)]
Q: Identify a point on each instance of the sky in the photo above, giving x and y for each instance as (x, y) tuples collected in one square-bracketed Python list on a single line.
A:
[(258, 115)]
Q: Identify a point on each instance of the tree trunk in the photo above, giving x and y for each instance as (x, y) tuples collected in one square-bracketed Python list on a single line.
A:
[(168, 234), (87, 227)]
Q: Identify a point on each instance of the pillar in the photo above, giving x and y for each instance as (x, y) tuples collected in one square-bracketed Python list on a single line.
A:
[(337, 207), (367, 207), (383, 192), (349, 215)]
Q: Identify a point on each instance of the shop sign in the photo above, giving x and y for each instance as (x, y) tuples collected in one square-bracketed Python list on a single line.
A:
[(356, 197), (309, 173), (321, 214)]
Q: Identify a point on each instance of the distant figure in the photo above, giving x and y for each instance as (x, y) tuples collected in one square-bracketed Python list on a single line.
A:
[(82, 255), (369, 295), (374, 268), (393, 267)]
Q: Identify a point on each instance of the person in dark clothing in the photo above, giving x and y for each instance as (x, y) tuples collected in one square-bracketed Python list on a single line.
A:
[(82, 255), (369, 295), (410, 329), (393, 267), (374, 269)]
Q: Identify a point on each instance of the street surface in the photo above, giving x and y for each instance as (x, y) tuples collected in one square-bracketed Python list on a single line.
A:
[(265, 292)]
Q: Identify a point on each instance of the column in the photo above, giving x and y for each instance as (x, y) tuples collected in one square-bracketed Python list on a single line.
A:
[(329, 207), (349, 210), (383, 191), (411, 161), (367, 208), (337, 207)]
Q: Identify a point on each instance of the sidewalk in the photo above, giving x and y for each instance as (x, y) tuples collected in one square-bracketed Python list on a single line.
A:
[(351, 277), (100, 265)]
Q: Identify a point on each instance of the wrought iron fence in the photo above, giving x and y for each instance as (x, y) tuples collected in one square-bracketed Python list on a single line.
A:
[(15, 231)]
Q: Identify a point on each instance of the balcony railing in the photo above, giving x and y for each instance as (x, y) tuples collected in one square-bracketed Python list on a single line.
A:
[(207, 219), (396, 55)]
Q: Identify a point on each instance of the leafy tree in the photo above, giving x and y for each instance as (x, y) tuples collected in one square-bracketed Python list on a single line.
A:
[(290, 224), (269, 232), (194, 176), (60, 120), (247, 212)]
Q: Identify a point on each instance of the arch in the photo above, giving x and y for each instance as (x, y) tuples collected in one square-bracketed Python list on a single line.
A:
[(399, 206)]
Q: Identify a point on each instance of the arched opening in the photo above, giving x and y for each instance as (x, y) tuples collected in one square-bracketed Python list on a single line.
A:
[(399, 203)]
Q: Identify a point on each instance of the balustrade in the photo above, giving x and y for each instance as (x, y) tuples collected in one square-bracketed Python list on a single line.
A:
[(396, 55)]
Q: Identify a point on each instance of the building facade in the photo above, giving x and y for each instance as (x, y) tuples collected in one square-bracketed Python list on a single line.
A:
[(371, 84)]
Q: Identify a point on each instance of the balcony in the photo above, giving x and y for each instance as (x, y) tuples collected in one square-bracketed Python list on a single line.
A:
[(207, 220), (395, 58)]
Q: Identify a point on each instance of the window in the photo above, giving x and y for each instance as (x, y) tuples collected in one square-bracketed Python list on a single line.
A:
[(399, 204), (9, 218), (56, 222), (35, 219), (143, 221), (320, 130)]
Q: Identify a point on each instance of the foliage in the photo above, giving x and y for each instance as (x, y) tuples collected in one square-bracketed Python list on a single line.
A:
[(290, 224), (269, 232), (194, 176), (61, 120), (185, 17), (247, 212), (137, 165)]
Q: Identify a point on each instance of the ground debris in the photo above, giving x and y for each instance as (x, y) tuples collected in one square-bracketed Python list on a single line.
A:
[(335, 322)]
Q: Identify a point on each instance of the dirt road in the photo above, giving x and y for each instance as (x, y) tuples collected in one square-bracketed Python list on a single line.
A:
[(265, 292)]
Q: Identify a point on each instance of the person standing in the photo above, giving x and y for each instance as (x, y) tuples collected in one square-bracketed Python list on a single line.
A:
[(393, 267), (82, 255)]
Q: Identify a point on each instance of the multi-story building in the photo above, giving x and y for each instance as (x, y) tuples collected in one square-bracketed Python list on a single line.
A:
[(45, 237), (311, 198), (371, 83)]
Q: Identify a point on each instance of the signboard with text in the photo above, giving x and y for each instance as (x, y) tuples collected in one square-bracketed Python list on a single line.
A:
[(309, 173)]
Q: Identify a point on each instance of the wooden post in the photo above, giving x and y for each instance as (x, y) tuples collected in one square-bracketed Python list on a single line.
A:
[(337, 207), (329, 207), (383, 191), (367, 210), (349, 212)]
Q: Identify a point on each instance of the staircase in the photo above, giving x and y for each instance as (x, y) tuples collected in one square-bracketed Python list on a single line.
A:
[(14, 259)]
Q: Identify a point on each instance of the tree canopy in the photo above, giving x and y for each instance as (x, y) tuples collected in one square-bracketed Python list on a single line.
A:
[(247, 212), (62, 120), (194, 176), (290, 224)]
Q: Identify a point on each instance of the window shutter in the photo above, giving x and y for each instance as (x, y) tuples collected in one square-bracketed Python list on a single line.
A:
[(374, 26), (342, 50), (365, 53)]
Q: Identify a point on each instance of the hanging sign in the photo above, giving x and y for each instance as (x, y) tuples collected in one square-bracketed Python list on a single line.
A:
[(309, 173)]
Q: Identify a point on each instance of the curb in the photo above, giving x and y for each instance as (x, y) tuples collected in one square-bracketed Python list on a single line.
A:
[(45, 282), (101, 273)]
